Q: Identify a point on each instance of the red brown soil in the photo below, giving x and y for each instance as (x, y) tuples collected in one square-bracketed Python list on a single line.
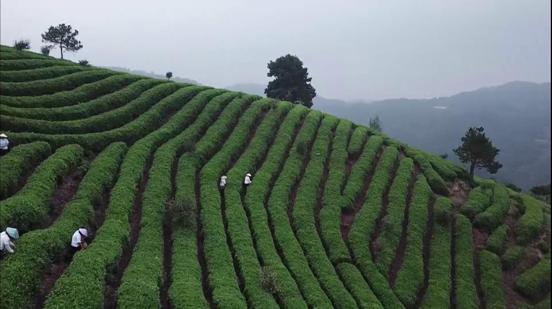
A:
[(65, 191), (49, 279), (114, 280), (399, 256)]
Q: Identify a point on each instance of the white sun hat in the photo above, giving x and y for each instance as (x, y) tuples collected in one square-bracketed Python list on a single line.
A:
[(84, 232), (2, 135)]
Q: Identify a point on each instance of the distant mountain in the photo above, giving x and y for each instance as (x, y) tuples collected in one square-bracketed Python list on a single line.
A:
[(515, 115), (153, 75)]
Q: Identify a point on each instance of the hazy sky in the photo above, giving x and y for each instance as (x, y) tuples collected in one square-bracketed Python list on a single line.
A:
[(353, 49)]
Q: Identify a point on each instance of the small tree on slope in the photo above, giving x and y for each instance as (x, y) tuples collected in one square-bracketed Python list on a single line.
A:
[(63, 36), (478, 151), (292, 81)]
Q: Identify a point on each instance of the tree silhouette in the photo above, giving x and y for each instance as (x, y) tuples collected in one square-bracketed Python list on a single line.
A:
[(478, 151), (168, 75), (291, 81), (63, 36)]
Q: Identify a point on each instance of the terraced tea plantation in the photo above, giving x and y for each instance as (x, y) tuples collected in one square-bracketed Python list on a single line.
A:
[(336, 216)]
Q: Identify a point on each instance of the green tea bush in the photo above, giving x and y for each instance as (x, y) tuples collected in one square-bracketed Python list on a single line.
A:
[(103, 122), (93, 264), (433, 178), (26, 64), (491, 280), (254, 202), (497, 240), (395, 214), (411, 274), (535, 282), (19, 161), (358, 138), (494, 215), (119, 97), (38, 74), (83, 93), (37, 249), (53, 85), (439, 283), (31, 204), (466, 291), (361, 291), (532, 221), (512, 256), (478, 200)]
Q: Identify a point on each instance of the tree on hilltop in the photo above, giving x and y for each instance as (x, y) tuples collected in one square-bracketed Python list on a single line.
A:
[(63, 36), (168, 75), (375, 124), (292, 81), (478, 150)]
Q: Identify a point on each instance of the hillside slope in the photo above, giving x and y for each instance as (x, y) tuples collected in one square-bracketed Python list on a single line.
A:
[(336, 215)]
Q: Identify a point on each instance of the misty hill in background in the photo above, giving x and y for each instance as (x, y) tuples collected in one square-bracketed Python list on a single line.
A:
[(153, 75), (515, 115)]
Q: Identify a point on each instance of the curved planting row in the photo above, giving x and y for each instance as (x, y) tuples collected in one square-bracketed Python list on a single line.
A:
[(104, 103), (310, 187), (397, 213), (256, 198), (26, 64), (478, 200), (102, 122), (217, 245), (466, 290), (144, 272), (74, 96), (532, 222), (433, 178), (41, 73), (31, 204), (18, 162), (38, 248), (53, 85), (439, 282), (130, 132), (239, 233), (410, 277), (281, 198), (95, 263), (365, 225), (494, 215)]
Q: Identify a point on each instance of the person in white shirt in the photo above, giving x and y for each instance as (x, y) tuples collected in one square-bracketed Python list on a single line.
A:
[(222, 182), (4, 144), (78, 241), (247, 181), (6, 240)]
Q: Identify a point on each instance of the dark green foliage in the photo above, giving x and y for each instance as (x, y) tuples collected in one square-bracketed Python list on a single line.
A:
[(541, 190), (31, 204), (22, 44), (291, 81), (513, 187), (168, 75), (512, 256), (375, 124), (532, 221), (27, 64), (491, 280), (84, 63), (535, 282), (45, 50), (361, 291), (20, 160), (63, 36), (37, 249), (478, 150)]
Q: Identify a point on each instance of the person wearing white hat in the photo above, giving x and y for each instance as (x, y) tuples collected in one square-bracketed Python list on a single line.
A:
[(4, 144), (222, 182), (6, 240), (247, 181), (78, 241)]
